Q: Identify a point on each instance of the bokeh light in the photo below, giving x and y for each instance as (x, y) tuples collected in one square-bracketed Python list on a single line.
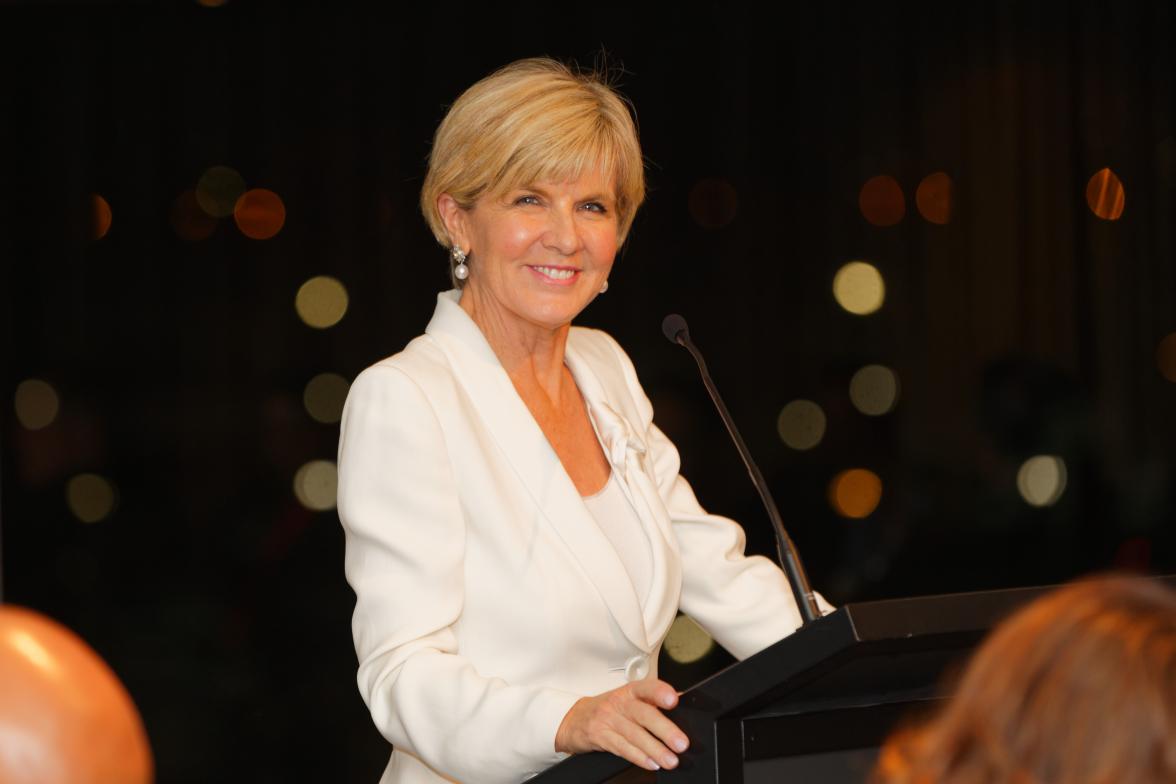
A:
[(801, 424), (686, 641), (36, 403), (933, 198), (189, 221), (1041, 480), (873, 390), (259, 213), (1104, 195), (90, 497), (102, 216), (315, 485), (713, 203), (1166, 357), (324, 397), (321, 302), (855, 493), (218, 189), (881, 201), (858, 288)]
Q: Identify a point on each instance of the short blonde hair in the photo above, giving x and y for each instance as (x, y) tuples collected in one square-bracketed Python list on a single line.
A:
[(531, 121)]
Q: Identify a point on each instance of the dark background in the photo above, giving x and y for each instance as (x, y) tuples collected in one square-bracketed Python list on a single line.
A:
[(1026, 325)]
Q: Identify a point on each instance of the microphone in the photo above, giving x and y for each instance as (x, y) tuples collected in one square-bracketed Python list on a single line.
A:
[(675, 329)]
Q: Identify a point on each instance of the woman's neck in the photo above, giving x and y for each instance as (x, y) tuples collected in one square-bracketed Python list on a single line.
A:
[(532, 355)]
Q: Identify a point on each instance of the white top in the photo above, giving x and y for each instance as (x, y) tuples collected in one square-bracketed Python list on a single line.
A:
[(620, 523)]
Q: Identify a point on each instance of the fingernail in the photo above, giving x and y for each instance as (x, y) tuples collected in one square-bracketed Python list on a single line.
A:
[(668, 702), (680, 745), (649, 763), (669, 760)]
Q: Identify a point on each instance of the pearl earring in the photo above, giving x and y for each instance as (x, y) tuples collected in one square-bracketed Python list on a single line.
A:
[(460, 270), (604, 286)]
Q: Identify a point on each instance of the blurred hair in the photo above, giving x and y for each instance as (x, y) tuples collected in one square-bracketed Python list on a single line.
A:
[(534, 120), (1079, 687)]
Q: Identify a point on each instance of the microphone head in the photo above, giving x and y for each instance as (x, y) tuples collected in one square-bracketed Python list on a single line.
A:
[(674, 327)]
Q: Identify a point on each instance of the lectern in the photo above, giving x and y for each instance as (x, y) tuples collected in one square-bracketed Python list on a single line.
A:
[(814, 707)]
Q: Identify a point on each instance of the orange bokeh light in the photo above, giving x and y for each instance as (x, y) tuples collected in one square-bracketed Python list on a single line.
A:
[(259, 213), (1166, 357), (102, 217), (1104, 194), (881, 201), (188, 220), (933, 198), (855, 493)]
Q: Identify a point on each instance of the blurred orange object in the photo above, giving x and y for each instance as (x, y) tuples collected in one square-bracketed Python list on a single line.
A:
[(64, 715)]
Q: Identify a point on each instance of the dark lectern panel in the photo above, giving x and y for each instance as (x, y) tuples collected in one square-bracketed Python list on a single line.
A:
[(840, 767)]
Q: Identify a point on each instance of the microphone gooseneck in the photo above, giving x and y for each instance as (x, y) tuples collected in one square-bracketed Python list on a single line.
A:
[(675, 329)]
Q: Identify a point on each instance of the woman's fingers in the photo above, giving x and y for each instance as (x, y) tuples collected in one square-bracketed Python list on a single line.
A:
[(655, 692), (643, 753), (627, 721), (661, 694), (657, 724)]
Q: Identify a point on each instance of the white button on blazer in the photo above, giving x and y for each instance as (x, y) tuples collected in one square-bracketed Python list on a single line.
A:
[(487, 598)]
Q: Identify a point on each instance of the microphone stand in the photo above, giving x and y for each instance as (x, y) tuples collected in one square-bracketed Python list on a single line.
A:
[(675, 329)]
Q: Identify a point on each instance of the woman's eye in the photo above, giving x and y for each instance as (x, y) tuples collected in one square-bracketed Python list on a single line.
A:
[(595, 206), (528, 199)]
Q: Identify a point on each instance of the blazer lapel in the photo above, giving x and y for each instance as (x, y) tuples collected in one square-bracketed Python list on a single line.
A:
[(627, 452), (524, 445)]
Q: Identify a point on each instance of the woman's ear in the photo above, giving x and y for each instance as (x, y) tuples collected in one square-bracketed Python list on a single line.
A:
[(454, 218)]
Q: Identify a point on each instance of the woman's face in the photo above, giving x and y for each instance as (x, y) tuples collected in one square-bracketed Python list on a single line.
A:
[(539, 254)]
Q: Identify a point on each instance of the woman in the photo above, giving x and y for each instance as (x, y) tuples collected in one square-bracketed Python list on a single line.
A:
[(1077, 688), (518, 537)]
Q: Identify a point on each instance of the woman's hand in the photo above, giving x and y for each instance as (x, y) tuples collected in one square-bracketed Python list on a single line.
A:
[(627, 722)]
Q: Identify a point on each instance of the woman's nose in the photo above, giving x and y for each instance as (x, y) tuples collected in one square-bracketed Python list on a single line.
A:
[(562, 234)]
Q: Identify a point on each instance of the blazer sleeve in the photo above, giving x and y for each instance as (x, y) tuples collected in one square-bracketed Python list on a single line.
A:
[(405, 531), (744, 602)]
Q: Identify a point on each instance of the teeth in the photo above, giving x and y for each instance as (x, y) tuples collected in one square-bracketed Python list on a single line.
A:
[(556, 274)]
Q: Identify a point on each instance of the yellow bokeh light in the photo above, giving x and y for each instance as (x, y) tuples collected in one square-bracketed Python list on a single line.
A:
[(1166, 357), (102, 216), (881, 201), (218, 190), (873, 390), (855, 493), (1105, 195), (321, 302), (36, 403), (189, 220), (315, 485), (858, 287), (259, 213), (324, 397), (713, 203), (90, 497), (933, 198), (801, 424), (686, 641), (1041, 480)]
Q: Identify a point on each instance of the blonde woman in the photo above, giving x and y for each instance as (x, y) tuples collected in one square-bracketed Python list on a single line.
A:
[(1077, 688), (518, 537)]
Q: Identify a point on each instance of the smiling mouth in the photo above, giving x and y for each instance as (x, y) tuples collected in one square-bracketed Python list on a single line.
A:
[(556, 273)]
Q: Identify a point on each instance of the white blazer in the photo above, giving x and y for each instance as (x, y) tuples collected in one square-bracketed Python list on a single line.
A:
[(487, 598)]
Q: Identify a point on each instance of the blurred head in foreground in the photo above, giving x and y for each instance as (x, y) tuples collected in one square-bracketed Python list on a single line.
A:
[(1079, 687)]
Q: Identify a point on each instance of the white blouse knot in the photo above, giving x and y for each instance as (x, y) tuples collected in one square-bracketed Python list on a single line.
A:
[(617, 436)]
